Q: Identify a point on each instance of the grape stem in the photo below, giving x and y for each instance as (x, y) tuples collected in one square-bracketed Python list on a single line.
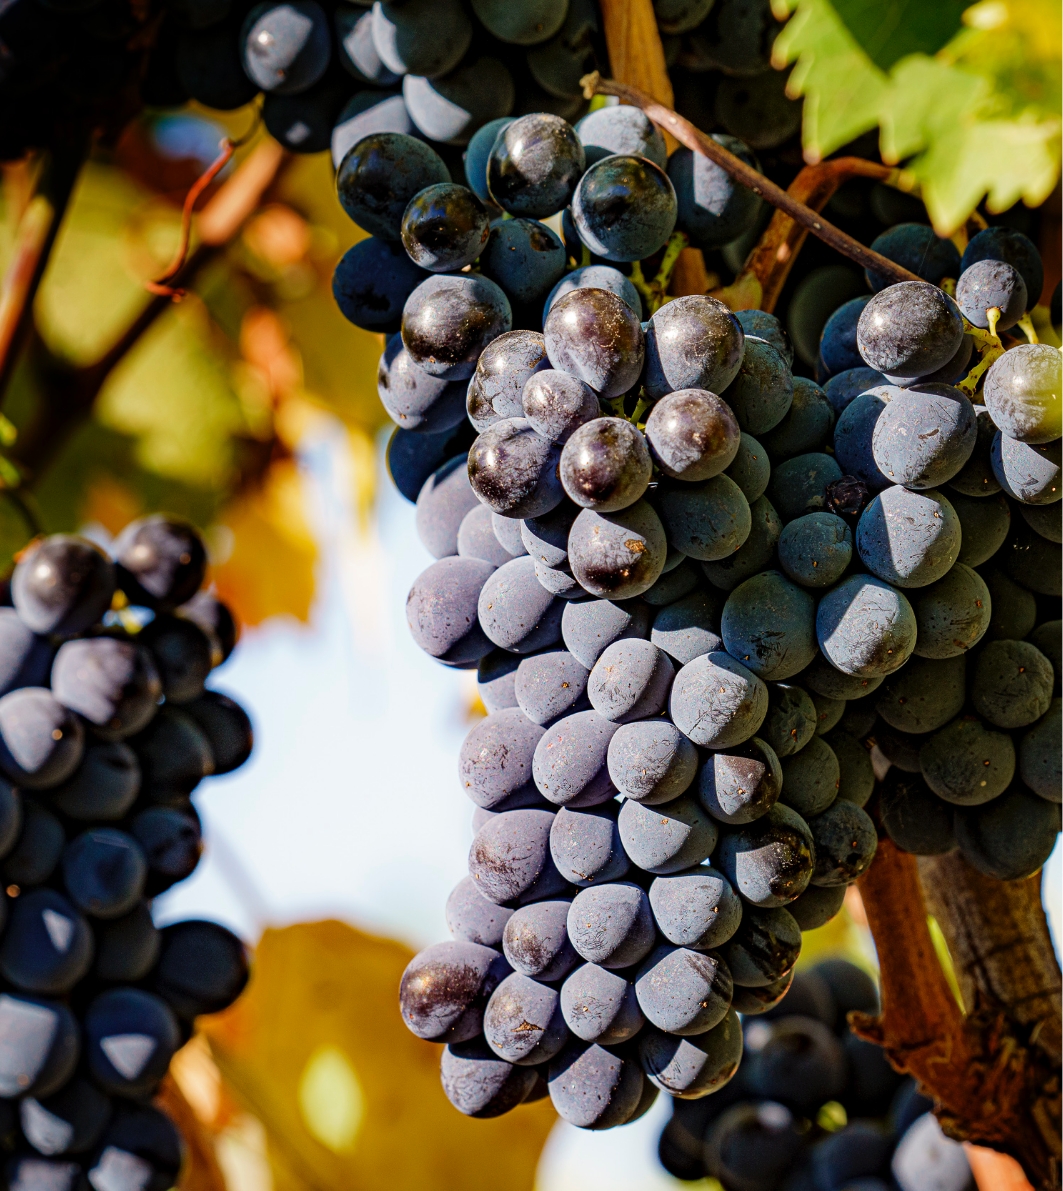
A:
[(698, 141), (655, 293)]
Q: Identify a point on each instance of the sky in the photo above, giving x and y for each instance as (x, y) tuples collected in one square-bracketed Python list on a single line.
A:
[(350, 805)]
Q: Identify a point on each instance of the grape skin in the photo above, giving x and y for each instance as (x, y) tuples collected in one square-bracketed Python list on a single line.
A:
[(865, 628), (651, 762), (692, 342), (510, 857), (917, 249), (630, 681), (444, 501), (600, 1006), (987, 284), (381, 174), (441, 610), (667, 839), (534, 166), (799, 485), (595, 336), (1009, 838), (837, 341), (285, 47), (1006, 244), (503, 369), (1039, 759), (372, 282), (742, 784), (765, 947), (479, 1084), (588, 626), (984, 526), (846, 386), (624, 130), (586, 846), (909, 329), (807, 425), (924, 695), (915, 819), (791, 719), (717, 702), (811, 778), (924, 436), (908, 538), (689, 1068), (1012, 684), (966, 763), (624, 208), (605, 465), (1029, 473), (422, 37), (689, 627), (596, 277), (476, 538), (712, 208), (618, 555), (413, 399), (696, 908), (495, 762), (471, 917), (682, 991), (816, 549), (768, 624), (592, 1087), (751, 468), (692, 434), (515, 611), (444, 228), (523, 1022), (706, 521), (762, 390), (449, 320), (856, 775), (570, 761), (754, 555), (524, 257), (612, 925)]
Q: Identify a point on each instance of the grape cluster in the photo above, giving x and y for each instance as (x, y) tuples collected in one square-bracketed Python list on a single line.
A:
[(815, 1107), (106, 728)]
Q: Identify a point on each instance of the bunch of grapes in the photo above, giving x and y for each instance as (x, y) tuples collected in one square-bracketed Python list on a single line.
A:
[(106, 728), (704, 597), (814, 1107)]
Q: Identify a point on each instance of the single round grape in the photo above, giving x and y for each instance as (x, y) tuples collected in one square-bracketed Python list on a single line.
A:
[(791, 720), (673, 585), (689, 1068), (586, 846), (523, 1022), (550, 685), (1012, 684), (762, 390), (480, 1084), (984, 526), (1022, 393), (441, 610), (950, 373), (909, 329), (696, 908), (751, 468), (816, 549), (989, 284), (413, 399), (477, 153), (845, 842), (624, 208), (355, 50), (692, 342), (846, 386), (495, 762), (1046, 520), (769, 861), (712, 207), (768, 624), (651, 762), (1011, 837), (381, 174), (689, 627), (706, 521), (470, 916), (445, 987), (924, 436), (908, 538), (285, 46), (476, 537), (667, 839), (626, 130), (759, 324), (741, 784), (865, 628), (924, 695), (914, 817), (856, 775), (510, 858), (594, 1088), (570, 761), (828, 713), (967, 763), (1029, 473), (372, 282), (754, 555), (915, 247), (811, 778), (1034, 562), (1039, 757), (588, 626), (1006, 244), (47, 945), (524, 24), (449, 320), (796, 1060), (503, 369), (682, 991), (412, 456), (535, 165), (764, 948), (807, 425), (799, 486), (823, 678), (525, 257), (692, 434), (445, 227), (854, 436), (612, 925), (630, 681), (63, 584), (1013, 610), (421, 37), (515, 611), (514, 471), (596, 277), (837, 341), (816, 907), (717, 702), (595, 336), (115, 684), (618, 555), (605, 465), (600, 1006)]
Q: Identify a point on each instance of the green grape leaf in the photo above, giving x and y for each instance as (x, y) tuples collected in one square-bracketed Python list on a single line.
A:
[(888, 30)]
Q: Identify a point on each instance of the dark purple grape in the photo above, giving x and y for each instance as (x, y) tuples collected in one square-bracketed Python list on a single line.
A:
[(762, 390), (692, 434), (865, 628), (445, 227), (570, 761), (706, 521), (618, 555), (713, 208), (600, 1006), (510, 858), (413, 399), (768, 624), (113, 683), (667, 839), (605, 465), (535, 941), (47, 946), (41, 741), (717, 702), (523, 1022), (470, 916), (595, 336), (693, 342), (612, 925), (697, 908), (907, 538), (651, 762), (909, 329), (741, 784), (589, 626), (593, 1087), (689, 1068), (515, 471), (381, 174), (226, 726), (550, 685), (765, 947), (770, 861), (988, 285), (45, 1042), (534, 166), (182, 655), (449, 320), (630, 681), (1007, 244), (1027, 472), (450, 108), (25, 658), (445, 988), (525, 258), (689, 627), (161, 561), (372, 282), (586, 846), (421, 37), (624, 208), (503, 369), (441, 610), (480, 1084), (557, 404), (63, 584), (914, 817), (682, 991), (924, 435), (846, 840)]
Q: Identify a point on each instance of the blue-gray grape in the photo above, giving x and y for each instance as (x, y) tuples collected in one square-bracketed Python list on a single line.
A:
[(612, 925), (689, 627), (706, 521), (791, 719), (605, 465), (755, 553), (816, 549), (534, 165), (682, 991), (586, 845), (600, 1006), (762, 390), (909, 329), (717, 702), (924, 695), (441, 610), (768, 624), (515, 611), (624, 208), (618, 555), (589, 626), (630, 681), (692, 342), (811, 778), (504, 367), (1009, 838), (667, 839), (769, 861), (495, 762), (570, 761), (967, 763), (1012, 684), (689, 1068), (523, 1022)]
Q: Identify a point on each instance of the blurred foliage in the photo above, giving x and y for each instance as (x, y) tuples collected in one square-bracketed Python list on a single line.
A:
[(971, 108)]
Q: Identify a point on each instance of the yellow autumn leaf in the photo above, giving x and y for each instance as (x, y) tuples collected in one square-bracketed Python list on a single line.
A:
[(316, 1050)]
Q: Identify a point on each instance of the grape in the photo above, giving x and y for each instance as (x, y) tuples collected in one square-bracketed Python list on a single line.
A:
[(1027, 473), (516, 611), (799, 485), (595, 336), (42, 1051), (682, 991), (41, 742), (596, 277), (651, 762), (476, 538), (515, 471), (126, 948), (765, 947), (811, 778), (471, 917), (925, 1148), (412, 456), (924, 436), (823, 677), (208, 66), (449, 320), (451, 108), (546, 538), (796, 1060), (630, 681), (202, 968), (815, 549), (36, 854), (758, 109), (850, 987), (104, 872), (549, 686), (355, 50), (624, 130), (569, 764), (768, 624), (762, 390), (899, 749), (171, 842), (1039, 761), (713, 208), (693, 1067), (1047, 639), (692, 434), (366, 114), (845, 842), (859, 719), (706, 521), (62, 584), (525, 257), (523, 1022), (967, 763), (856, 776), (987, 284), (558, 581), (182, 655), (694, 342), (605, 465), (950, 373), (689, 627), (25, 658), (753, 556), (420, 37), (872, 1081), (908, 538), (68, 1122), (504, 367), (114, 684), (696, 908), (285, 46), (1006, 244), (496, 757), (441, 609), (923, 696), (909, 329), (141, 1146), (593, 1087), (1013, 609), (226, 726), (29, 1172), (445, 988), (477, 154), (914, 818), (752, 1002), (381, 174), (559, 64), (770, 861), (828, 713), (837, 342), (737, 37), (618, 555), (600, 1006), (624, 208), (717, 702), (791, 720), (667, 839), (534, 165), (846, 386), (807, 424), (479, 1084), (104, 786), (1046, 520), (751, 468), (130, 1037), (984, 525), (860, 1148), (816, 907), (914, 247), (673, 585), (444, 228), (586, 847), (1009, 838), (590, 626), (1012, 684), (612, 925)]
